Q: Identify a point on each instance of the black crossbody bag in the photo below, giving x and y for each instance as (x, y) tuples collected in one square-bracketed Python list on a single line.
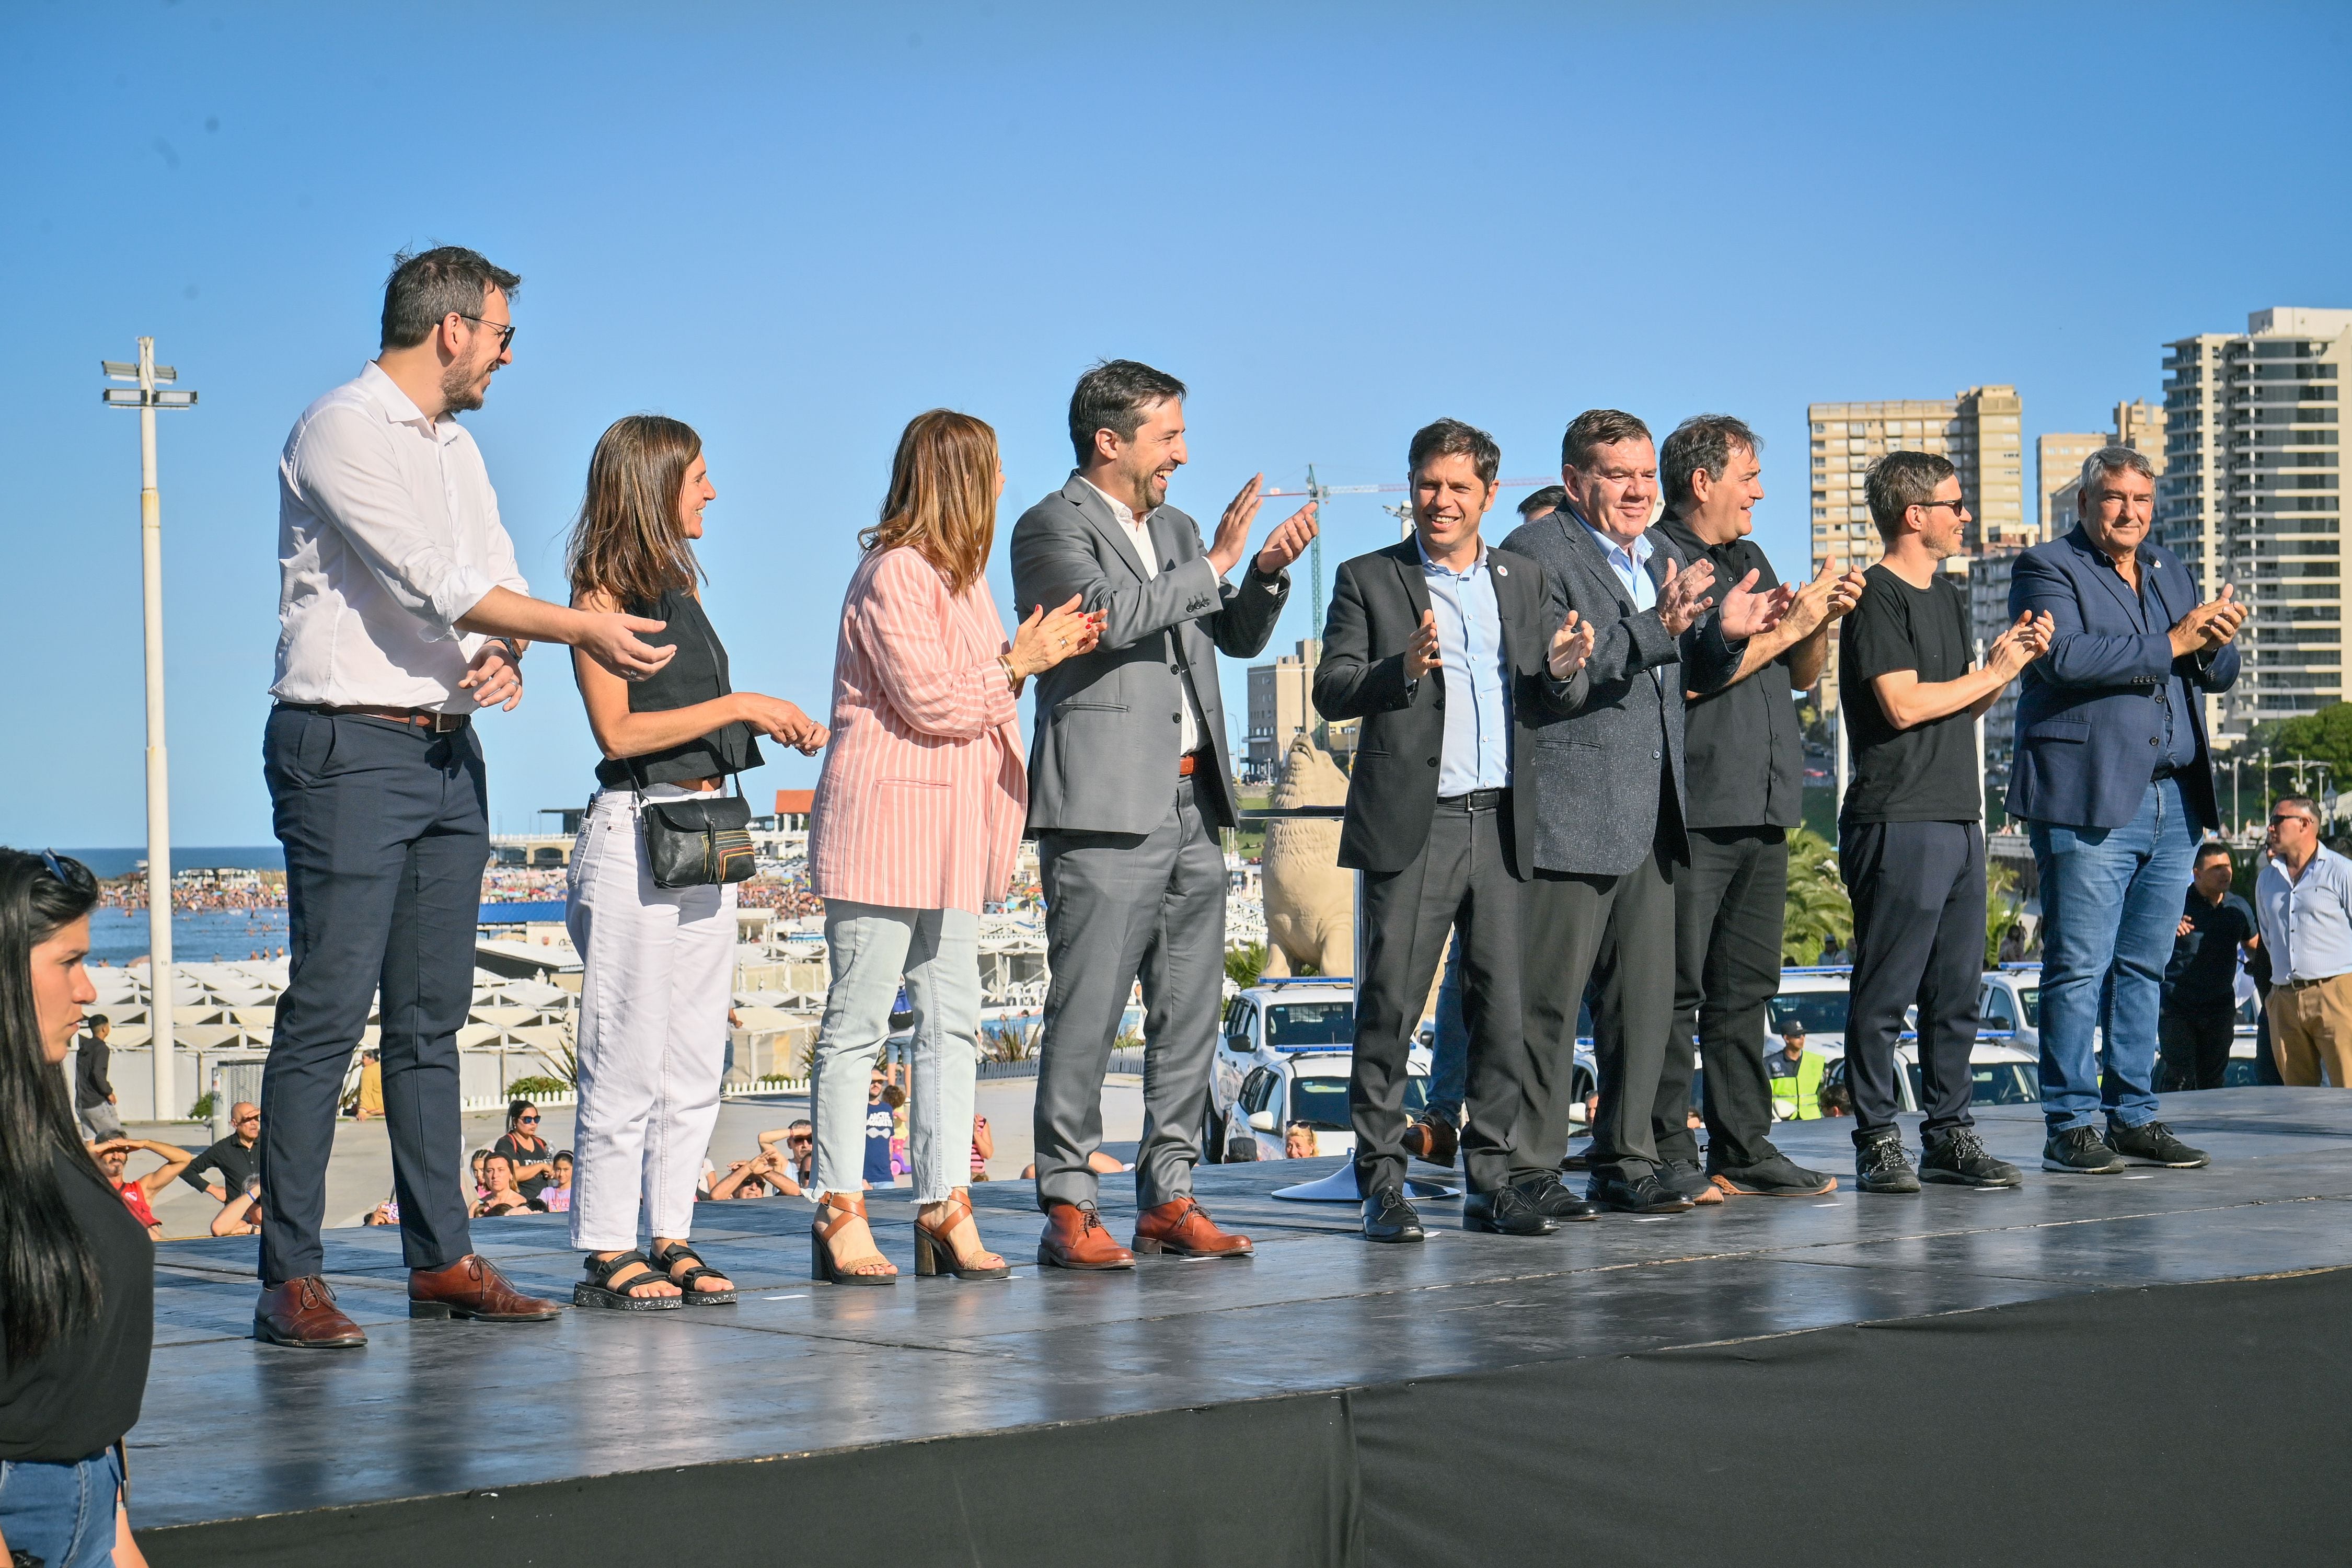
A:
[(697, 843)]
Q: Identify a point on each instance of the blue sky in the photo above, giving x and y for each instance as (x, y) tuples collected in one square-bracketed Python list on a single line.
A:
[(794, 230)]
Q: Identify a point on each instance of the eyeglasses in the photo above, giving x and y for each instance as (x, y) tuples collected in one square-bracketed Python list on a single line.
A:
[(2291, 817), (799, 1140), (504, 329), (243, 1120), (526, 1121), (1932, 505)]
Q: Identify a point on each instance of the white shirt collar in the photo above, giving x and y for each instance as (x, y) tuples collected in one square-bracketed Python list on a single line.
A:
[(1118, 508), (398, 408)]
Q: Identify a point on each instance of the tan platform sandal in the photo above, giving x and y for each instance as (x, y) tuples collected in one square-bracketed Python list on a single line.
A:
[(873, 1268)]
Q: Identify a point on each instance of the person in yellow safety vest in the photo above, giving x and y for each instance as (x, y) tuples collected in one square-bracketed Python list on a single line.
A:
[(1796, 1075)]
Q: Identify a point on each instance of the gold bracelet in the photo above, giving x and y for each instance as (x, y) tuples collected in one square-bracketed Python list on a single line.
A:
[(1004, 663)]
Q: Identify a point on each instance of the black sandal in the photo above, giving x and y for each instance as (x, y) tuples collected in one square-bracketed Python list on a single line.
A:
[(667, 1260), (598, 1290)]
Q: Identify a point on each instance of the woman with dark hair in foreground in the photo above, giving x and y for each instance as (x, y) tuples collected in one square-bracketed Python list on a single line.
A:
[(77, 1271)]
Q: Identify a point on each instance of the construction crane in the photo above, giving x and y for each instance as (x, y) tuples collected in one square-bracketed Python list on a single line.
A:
[(1320, 492)]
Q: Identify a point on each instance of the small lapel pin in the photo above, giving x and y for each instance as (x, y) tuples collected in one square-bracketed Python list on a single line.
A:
[(1502, 570)]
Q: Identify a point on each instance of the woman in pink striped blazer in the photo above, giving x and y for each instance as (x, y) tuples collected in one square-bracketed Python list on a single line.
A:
[(917, 820)]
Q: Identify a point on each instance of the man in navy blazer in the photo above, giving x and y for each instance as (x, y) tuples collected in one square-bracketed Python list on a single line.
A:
[(2115, 784)]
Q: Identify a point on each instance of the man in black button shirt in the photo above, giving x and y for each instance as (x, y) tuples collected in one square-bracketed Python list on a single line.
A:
[(2199, 1015), (232, 1158), (1746, 765), (1911, 832)]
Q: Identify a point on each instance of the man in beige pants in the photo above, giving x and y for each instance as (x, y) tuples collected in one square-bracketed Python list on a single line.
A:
[(2304, 899)]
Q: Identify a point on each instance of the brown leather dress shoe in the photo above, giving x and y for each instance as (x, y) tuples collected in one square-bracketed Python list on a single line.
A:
[(1074, 1238), (1433, 1140), (302, 1313), (473, 1287), (1183, 1228)]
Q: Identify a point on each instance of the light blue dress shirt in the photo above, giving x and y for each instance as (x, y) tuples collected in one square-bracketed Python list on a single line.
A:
[(1477, 752), (1632, 566), (2307, 920)]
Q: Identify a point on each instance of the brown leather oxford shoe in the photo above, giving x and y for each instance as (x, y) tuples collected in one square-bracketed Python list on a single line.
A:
[(1184, 1229), (473, 1287), (1433, 1140), (302, 1313), (1074, 1238)]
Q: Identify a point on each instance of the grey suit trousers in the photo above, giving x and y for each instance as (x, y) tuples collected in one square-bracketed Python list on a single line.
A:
[(1620, 932), (1120, 907)]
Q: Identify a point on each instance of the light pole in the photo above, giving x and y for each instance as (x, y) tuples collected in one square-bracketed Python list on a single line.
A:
[(145, 399)]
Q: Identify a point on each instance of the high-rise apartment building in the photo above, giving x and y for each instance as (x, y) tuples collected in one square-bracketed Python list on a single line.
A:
[(2138, 425), (1979, 429), (2253, 495)]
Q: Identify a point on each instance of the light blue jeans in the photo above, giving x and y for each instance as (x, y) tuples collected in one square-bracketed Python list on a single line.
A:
[(871, 948), (62, 1514), (2110, 899)]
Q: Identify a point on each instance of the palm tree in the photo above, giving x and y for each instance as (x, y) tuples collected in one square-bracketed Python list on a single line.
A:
[(1816, 913)]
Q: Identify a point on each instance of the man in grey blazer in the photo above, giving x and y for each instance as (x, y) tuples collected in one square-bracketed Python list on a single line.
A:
[(1609, 807), (1129, 786)]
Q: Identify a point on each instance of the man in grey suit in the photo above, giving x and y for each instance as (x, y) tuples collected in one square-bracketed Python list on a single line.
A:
[(1128, 789), (1610, 806)]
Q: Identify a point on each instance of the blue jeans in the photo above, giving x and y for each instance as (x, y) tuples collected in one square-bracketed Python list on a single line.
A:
[(1449, 1058), (62, 1514), (2110, 899)]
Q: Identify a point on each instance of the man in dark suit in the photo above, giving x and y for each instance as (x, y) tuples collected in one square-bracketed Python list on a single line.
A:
[(1609, 805), (2116, 787), (1129, 787), (1447, 650)]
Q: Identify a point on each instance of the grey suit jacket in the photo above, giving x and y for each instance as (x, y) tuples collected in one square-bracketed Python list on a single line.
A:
[(1596, 770), (1108, 722)]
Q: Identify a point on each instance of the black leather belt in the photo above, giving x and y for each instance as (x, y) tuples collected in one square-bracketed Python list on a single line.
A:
[(419, 718), (2163, 772), (1476, 800)]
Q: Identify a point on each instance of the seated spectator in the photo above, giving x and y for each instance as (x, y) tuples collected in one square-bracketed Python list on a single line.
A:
[(500, 1196), (557, 1193), (1241, 1151), (1298, 1142), (799, 1139), (137, 1195), (983, 1147), (232, 1157), (527, 1153), (768, 1175), (1836, 1098), (371, 1101), (241, 1215), (384, 1213), (901, 1163), (480, 1187)]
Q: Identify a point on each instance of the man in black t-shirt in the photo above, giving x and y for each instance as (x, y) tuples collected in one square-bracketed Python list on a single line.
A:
[(2199, 1015), (1911, 832)]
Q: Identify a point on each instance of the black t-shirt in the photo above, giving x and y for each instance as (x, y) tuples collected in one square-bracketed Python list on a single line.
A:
[(233, 1159), (90, 1085), (1927, 773), (84, 1391), (2204, 968), (1743, 749), (520, 1153)]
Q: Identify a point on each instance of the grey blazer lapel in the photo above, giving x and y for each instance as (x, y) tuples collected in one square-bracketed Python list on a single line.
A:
[(1098, 513), (1588, 556)]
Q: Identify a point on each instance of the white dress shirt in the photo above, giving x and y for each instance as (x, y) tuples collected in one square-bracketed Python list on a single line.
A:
[(388, 533), (1476, 753), (1196, 732), (2307, 920)]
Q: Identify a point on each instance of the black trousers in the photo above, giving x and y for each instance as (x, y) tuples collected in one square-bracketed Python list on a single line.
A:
[(1462, 879), (1729, 905), (1619, 932), (2195, 1041), (386, 832), (1919, 892)]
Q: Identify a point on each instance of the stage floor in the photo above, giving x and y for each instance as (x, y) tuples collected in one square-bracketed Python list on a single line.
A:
[(244, 1448)]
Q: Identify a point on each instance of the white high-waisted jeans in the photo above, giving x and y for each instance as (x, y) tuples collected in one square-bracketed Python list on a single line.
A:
[(655, 964), (870, 948)]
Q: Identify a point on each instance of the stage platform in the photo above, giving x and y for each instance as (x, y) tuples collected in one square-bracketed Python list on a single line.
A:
[(2154, 1368)]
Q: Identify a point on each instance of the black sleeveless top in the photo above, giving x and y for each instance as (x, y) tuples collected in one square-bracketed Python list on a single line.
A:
[(696, 673)]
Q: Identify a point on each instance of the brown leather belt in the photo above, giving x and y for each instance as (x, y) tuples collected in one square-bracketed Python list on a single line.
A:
[(422, 718), (1192, 762)]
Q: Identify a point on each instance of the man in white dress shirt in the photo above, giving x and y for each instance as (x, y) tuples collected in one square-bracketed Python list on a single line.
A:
[(401, 613), (2304, 901)]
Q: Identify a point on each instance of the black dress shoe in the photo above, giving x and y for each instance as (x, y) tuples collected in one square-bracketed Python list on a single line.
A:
[(1388, 1217), (1643, 1194), (1553, 1198), (1506, 1211)]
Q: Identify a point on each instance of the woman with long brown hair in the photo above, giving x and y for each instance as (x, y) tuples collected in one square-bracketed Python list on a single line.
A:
[(656, 943), (916, 822)]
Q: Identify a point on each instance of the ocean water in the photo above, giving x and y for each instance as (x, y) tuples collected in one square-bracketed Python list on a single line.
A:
[(107, 863), (198, 936)]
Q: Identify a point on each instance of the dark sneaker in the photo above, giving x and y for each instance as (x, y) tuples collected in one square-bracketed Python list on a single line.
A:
[(2080, 1152), (1776, 1177), (2152, 1143), (1957, 1157), (1881, 1166), (1686, 1177)]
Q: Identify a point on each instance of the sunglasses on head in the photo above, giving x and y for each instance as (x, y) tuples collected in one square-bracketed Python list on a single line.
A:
[(73, 873)]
